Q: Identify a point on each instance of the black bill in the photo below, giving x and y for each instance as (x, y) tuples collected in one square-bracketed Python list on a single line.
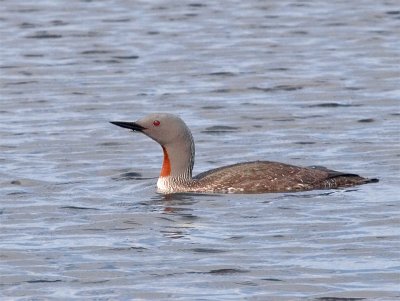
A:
[(129, 125)]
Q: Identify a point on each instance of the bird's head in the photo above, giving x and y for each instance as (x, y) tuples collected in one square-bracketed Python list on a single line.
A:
[(163, 128)]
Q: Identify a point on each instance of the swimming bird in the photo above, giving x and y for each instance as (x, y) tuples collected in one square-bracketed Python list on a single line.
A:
[(176, 140)]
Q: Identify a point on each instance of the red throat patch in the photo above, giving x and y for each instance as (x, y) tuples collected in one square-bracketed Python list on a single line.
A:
[(166, 166)]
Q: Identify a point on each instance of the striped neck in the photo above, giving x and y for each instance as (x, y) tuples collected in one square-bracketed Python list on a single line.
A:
[(177, 164)]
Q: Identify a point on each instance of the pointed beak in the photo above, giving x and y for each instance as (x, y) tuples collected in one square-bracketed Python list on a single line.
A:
[(129, 125)]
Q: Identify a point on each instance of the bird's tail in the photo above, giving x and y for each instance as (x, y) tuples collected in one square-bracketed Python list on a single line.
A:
[(373, 180)]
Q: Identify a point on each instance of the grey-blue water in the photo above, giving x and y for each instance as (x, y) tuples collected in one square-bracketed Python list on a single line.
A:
[(301, 82)]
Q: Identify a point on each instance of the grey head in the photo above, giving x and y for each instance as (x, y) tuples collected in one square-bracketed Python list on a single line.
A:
[(175, 138), (164, 128)]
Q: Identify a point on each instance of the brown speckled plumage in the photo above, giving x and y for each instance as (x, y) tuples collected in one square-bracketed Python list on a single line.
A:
[(248, 177), (265, 176)]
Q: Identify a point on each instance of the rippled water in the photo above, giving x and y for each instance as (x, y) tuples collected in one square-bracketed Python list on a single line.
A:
[(302, 82)]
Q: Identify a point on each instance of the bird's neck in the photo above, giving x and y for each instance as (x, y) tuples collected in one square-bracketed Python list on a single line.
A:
[(178, 160)]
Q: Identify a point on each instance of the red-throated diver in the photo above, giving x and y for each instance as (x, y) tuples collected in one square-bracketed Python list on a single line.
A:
[(177, 143)]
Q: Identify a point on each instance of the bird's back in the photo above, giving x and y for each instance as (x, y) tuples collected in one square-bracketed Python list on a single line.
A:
[(266, 176)]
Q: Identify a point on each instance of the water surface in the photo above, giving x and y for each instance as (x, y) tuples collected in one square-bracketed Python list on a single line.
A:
[(301, 82)]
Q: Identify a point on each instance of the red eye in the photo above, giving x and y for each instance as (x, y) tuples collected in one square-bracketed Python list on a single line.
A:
[(156, 123)]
